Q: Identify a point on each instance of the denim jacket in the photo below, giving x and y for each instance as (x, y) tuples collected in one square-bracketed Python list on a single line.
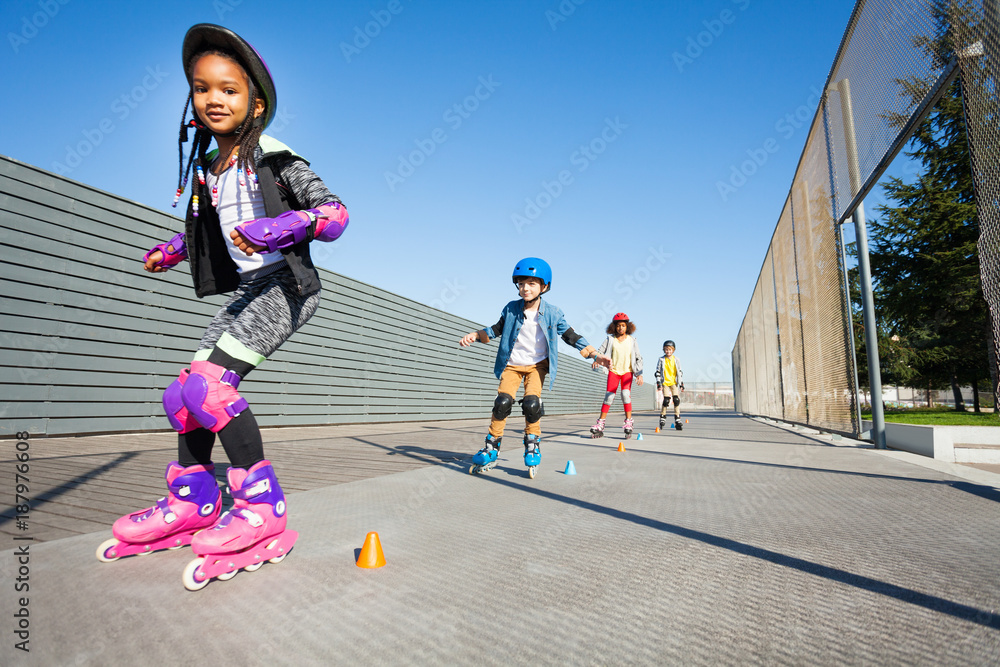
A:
[(549, 316)]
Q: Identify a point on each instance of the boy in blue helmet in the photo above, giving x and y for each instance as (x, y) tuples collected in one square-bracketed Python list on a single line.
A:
[(528, 328)]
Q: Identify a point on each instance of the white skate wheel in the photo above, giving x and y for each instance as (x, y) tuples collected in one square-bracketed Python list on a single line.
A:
[(531, 471), (253, 567), (188, 576), (226, 576), (106, 546)]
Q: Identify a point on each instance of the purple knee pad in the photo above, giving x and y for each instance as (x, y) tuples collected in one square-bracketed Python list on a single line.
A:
[(210, 395), (180, 419), (174, 252)]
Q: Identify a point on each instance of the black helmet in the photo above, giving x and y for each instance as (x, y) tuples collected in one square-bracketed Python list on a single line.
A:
[(207, 35), (670, 343)]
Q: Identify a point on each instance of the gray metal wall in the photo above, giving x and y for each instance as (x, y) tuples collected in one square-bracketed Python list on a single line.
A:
[(88, 340)]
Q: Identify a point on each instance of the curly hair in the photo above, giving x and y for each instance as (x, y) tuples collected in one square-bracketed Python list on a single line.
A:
[(611, 330)]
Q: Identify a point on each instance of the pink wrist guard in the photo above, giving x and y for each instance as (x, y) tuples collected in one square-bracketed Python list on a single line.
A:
[(174, 252)]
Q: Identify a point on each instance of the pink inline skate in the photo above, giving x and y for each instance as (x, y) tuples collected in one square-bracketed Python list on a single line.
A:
[(250, 533), (192, 504)]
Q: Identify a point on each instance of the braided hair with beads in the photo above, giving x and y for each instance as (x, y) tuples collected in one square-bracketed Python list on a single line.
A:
[(247, 134)]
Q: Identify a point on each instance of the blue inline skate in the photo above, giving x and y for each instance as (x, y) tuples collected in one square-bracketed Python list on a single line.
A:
[(532, 453), (486, 457)]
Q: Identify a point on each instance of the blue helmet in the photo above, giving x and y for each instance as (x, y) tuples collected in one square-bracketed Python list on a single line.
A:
[(532, 267)]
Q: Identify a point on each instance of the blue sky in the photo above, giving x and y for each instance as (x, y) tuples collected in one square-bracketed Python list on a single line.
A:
[(463, 136)]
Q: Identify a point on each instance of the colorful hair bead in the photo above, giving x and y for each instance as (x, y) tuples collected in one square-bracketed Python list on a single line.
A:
[(194, 205), (201, 174)]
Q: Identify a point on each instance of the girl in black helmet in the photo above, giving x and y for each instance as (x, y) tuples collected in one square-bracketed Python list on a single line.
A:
[(254, 209)]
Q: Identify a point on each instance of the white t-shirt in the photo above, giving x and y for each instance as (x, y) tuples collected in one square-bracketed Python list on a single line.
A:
[(531, 346), (239, 204)]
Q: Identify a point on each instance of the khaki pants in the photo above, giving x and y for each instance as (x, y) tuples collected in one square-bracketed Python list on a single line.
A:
[(510, 380), (672, 390)]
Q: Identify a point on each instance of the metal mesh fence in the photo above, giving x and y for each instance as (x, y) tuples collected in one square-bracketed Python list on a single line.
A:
[(793, 358), (978, 46)]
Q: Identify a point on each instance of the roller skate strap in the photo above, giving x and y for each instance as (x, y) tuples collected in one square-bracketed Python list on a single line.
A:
[(164, 507), (259, 486)]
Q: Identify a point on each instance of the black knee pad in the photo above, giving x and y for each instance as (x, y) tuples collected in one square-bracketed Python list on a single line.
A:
[(666, 401), (532, 407), (677, 400), (502, 406)]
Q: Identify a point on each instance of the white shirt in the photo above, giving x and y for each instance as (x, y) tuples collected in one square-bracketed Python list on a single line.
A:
[(531, 346), (238, 205)]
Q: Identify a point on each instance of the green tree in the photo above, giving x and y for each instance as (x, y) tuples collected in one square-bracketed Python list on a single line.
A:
[(925, 262)]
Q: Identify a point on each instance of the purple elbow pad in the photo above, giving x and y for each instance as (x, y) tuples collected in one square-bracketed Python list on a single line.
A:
[(331, 221), (274, 234), (174, 252)]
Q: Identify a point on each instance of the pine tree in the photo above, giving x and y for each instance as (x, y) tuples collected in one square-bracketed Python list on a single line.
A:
[(924, 258)]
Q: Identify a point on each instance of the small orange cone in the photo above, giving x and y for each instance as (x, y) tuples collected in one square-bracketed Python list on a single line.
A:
[(657, 429), (621, 447), (371, 553), (686, 421)]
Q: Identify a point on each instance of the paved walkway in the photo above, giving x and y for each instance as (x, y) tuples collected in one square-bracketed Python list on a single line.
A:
[(731, 542)]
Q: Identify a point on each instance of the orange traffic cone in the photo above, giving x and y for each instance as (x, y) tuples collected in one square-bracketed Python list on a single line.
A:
[(371, 553), (621, 447), (686, 421), (657, 429)]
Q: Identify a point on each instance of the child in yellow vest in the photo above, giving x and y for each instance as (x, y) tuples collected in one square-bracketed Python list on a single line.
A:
[(668, 379)]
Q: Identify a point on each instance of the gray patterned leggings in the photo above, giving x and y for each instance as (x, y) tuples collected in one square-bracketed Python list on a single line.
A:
[(259, 316)]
